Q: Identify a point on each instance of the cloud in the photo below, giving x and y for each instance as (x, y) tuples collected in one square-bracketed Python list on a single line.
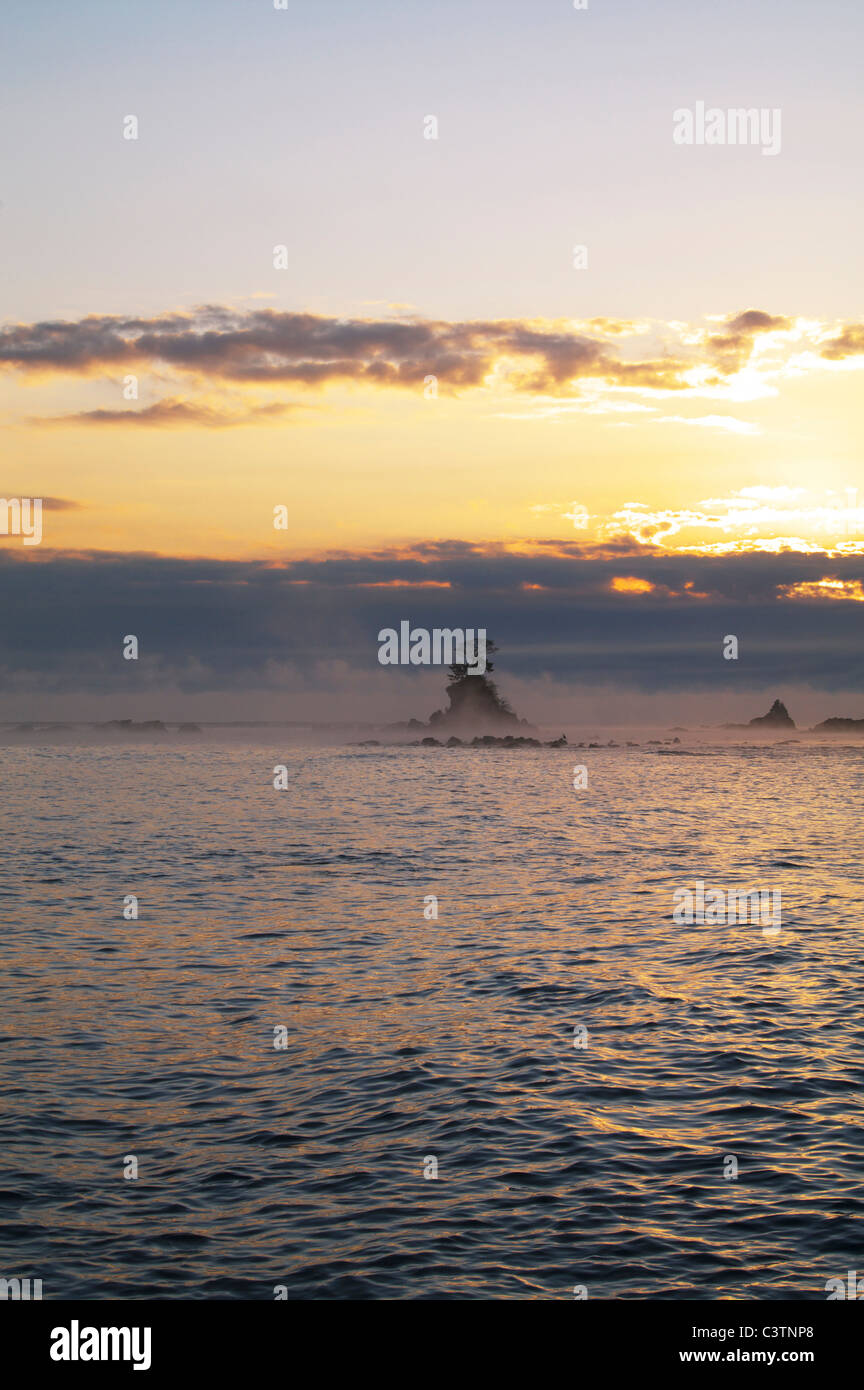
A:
[(171, 412), (755, 321), (714, 422), (616, 326), (753, 512), (627, 584), (848, 343), (264, 345), (51, 504), (221, 627), (833, 589), (734, 344)]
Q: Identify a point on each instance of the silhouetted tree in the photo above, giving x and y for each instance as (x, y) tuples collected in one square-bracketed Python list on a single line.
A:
[(458, 672), (474, 699)]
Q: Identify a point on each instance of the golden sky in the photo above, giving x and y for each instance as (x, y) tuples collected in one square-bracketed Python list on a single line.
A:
[(441, 292), (181, 434)]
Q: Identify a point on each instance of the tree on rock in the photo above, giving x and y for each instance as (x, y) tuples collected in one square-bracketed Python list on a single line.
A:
[(472, 700)]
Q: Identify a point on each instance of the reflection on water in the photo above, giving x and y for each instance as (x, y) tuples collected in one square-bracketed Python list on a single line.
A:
[(408, 1038)]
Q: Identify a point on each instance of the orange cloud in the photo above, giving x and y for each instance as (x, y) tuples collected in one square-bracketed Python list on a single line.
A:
[(405, 584), (628, 584), (824, 589)]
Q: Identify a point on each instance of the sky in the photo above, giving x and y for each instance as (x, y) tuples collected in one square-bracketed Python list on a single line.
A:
[(438, 285)]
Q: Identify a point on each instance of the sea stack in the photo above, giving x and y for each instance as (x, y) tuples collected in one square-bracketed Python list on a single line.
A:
[(473, 703), (778, 717)]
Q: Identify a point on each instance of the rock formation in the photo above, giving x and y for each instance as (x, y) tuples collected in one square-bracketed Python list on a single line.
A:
[(489, 741), (473, 703), (778, 717)]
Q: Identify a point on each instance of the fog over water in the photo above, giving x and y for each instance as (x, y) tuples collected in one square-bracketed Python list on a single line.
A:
[(390, 695)]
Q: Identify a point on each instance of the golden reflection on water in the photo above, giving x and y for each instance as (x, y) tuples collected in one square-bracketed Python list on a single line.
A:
[(408, 1036)]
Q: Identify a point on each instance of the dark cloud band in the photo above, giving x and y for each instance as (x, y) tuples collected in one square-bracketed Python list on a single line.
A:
[(229, 625)]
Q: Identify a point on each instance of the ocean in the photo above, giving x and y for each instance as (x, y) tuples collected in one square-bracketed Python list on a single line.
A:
[(550, 1088)]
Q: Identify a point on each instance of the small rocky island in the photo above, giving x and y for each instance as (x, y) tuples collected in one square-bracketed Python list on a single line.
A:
[(476, 716), (474, 708), (474, 704), (778, 717)]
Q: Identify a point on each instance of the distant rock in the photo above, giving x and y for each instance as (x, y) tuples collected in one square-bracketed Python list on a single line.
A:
[(778, 717), (507, 741), (130, 726), (479, 741), (189, 729), (840, 726), (491, 741)]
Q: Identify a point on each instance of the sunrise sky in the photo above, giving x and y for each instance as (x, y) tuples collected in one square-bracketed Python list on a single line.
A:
[(430, 383)]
